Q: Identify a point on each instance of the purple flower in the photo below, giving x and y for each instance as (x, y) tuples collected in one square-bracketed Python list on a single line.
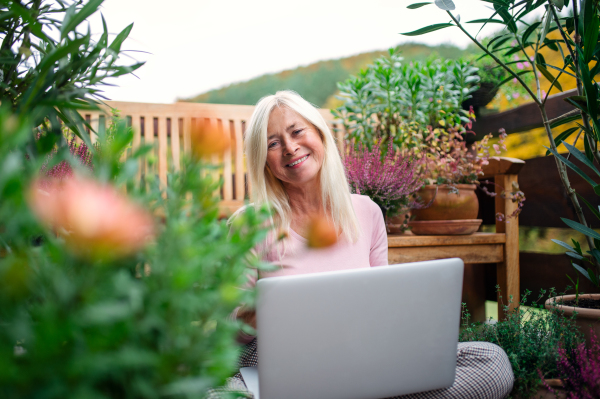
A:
[(515, 95), (580, 370), (527, 64), (63, 170), (387, 179), (520, 65)]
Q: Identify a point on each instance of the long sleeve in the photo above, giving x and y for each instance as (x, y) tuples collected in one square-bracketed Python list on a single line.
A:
[(379, 244)]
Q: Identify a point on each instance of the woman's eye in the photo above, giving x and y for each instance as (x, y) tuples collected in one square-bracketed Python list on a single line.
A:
[(297, 131), (271, 145)]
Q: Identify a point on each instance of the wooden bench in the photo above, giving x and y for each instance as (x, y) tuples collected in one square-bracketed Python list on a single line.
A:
[(501, 247)]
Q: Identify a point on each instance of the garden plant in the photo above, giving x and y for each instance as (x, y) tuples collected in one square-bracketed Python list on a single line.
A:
[(533, 338), (578, 45), (108, 289)]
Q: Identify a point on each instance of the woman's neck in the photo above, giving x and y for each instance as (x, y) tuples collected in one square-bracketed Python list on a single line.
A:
[(305, 200)]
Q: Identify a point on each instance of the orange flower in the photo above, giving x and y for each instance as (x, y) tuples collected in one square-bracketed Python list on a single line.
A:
[(95, 220), (321, 233), (207, 139)]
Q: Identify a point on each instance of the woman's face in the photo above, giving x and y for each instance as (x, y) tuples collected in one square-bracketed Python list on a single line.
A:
[(295, 150)]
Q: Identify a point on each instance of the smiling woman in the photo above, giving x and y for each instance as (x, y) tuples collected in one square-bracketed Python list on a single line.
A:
[(295, 167)]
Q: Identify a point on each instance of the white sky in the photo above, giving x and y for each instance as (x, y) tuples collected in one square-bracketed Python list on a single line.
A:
[(198, 45)]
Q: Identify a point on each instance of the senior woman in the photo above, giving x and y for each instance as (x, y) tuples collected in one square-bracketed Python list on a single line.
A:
[(294, 166)]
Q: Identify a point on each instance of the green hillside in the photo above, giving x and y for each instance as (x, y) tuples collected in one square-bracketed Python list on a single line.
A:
[(317, 82)]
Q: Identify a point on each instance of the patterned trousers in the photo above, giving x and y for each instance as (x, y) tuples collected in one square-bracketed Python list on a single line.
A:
[(483, 371)]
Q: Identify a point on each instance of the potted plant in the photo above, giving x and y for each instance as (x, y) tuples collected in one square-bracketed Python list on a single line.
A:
[(579, 370), (533, 339), (579, 34), (388, 177)]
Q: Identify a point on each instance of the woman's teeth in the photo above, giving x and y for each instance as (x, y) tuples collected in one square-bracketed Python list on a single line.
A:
[(298, 161)]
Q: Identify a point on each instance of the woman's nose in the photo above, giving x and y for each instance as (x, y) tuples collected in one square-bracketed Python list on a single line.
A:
[(291, 147)]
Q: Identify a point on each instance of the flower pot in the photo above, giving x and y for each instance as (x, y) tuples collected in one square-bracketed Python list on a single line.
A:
[(481, 97), (449, 213), (397, 224), (544, 393), (587, 319), (447, 203)]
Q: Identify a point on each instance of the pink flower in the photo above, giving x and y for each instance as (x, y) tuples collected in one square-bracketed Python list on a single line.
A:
[(527, 64), (496, 148), (520, 65), (96, 220), (543, 93), (513, 43), (515, 57), (515, 80), (515, 95)]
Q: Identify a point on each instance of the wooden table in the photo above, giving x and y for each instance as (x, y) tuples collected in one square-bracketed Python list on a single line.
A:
[(501, 248)]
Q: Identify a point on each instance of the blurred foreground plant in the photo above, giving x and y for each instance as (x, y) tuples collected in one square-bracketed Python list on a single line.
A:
[(89, 306)]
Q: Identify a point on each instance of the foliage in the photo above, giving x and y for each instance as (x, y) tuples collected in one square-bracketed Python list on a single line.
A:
[(388, 92), (141, 319), (317, 82), (530, 337), (388, 179), (449, 161), (578, 46), (579, 369), (575, 252)]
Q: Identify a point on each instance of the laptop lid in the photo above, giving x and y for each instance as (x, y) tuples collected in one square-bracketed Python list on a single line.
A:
[(359, 334)]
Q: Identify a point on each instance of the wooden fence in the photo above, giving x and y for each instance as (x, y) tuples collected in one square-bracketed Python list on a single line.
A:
[(168, 128)]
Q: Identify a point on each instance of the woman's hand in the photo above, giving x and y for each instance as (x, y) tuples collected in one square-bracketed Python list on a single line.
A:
[(248, 316)]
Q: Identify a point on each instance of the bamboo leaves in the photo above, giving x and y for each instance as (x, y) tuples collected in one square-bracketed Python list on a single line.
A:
[(446, 5)]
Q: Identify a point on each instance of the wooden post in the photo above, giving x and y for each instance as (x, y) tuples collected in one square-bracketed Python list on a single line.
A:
[(507, 271), (240, 188), (175, 146), (474, 291), (137, 138), (225, 129)]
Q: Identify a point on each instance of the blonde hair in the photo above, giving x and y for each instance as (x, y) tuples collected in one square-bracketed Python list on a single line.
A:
[(267, 189)]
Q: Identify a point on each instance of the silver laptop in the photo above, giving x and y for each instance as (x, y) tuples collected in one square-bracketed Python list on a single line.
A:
[(358, 334)]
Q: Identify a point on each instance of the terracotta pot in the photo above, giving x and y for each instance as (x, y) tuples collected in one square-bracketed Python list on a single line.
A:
[(544, 393), (448, 205), (587, 319), (397, 224)]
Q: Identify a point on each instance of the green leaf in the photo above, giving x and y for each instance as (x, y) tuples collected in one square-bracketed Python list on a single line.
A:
[(427, 29), (530, 30), (591, 39), (571, 165), (582, 271), (592, 208), (591, 89), (418, 5), (579, 155), (549, 76), (564, 120), (579, 102), (116, 44), (590, 156), (563, 136), (446, 5), (581, 228), (574, 255), (484, 21), (563, 244), (558, 4), (78, 18)]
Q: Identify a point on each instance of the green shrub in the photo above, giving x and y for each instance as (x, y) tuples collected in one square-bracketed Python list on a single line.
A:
[(530, 337)]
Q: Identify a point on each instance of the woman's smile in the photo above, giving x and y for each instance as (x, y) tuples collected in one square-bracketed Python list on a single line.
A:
[(298, 162)]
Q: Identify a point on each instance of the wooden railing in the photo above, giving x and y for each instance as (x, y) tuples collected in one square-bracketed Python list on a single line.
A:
[(168, 127)]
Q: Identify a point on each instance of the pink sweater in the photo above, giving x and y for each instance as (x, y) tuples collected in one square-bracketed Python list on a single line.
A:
[(371, 249)]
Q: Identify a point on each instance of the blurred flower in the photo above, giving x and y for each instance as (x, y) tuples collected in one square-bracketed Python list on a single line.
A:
[(543, 93), (515, 80), (208, 140), (95, 220), (527, 64), (515, 95), (520, 65), (321, 233)]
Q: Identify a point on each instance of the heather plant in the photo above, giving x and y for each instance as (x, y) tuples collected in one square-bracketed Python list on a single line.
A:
[(532, 337), (389, 178), (579, 369)]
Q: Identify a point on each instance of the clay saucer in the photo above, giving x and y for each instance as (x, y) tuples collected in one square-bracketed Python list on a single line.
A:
[(444, 227)]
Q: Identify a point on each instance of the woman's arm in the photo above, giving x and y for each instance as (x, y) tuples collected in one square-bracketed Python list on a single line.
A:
[(379, 243)]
